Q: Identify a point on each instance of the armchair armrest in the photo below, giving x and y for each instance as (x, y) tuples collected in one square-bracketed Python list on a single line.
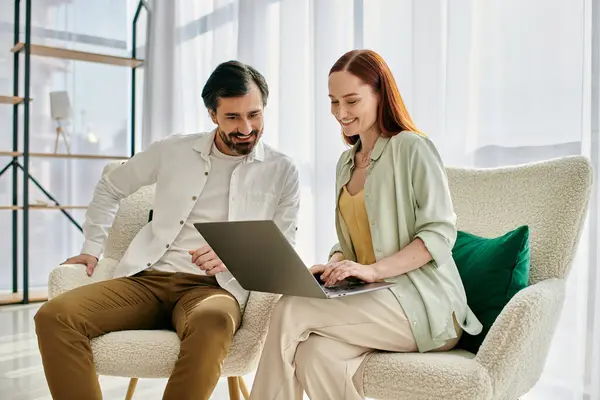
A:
[(249, 340), (521, 336), (67, 277)]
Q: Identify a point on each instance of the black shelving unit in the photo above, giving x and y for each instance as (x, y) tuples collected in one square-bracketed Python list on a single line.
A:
[(20, 158)]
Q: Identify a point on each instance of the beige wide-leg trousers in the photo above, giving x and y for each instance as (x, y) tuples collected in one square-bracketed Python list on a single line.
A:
[(318, 346)]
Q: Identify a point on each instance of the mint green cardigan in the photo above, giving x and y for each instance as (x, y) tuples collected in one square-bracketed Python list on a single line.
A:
[(407, 196)]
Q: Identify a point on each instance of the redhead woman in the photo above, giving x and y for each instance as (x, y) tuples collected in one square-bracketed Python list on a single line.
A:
[(395, 222)]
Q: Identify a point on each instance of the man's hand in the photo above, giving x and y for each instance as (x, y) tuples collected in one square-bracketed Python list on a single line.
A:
[(207, 260), (335, 272), (88, 260)]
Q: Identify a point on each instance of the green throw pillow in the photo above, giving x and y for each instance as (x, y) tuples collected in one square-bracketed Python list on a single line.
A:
[(493, 270)]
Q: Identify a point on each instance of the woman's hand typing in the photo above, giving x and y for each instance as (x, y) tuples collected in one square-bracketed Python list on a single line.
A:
[(335, 272)]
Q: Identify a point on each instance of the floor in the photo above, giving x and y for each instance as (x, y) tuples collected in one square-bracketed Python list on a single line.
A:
[(22, 376)]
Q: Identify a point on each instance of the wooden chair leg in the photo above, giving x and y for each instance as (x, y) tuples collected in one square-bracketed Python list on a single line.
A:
[(132, 384), (243, 388), (234, 387)]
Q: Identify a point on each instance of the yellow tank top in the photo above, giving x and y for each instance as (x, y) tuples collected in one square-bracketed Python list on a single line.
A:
[(355, 217)]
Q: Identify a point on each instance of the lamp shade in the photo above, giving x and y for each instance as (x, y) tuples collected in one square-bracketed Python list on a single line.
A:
[(60, 106)]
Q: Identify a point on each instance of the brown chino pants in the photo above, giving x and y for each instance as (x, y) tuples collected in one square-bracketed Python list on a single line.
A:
[(204, 316)]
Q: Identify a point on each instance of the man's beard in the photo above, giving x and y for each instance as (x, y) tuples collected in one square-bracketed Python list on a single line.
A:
[(241, 148)]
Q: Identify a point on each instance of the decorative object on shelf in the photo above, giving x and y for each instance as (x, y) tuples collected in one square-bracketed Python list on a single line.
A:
[(60, 109)]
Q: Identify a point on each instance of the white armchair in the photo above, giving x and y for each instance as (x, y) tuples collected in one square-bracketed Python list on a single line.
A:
[(552, 198), (152, 354)]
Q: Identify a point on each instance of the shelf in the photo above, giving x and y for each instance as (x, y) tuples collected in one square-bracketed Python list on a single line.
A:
[(63, 155), (11, 100), (55, 207), (46, 51), (38, 295), (11, 208), (85, 156), (42, 207)]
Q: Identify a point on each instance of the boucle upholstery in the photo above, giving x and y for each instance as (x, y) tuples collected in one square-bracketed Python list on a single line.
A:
[(449, 375), (551, 197)]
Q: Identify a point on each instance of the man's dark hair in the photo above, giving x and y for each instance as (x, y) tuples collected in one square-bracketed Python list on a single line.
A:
[(232, 79)]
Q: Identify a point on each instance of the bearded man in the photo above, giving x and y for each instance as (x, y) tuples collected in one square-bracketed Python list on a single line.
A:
[(169, 277)]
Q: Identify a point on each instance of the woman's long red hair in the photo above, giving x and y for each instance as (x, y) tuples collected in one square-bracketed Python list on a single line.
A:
[(370, 67)]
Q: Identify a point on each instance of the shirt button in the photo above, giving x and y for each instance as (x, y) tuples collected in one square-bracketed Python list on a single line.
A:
[(167, 246), (414, 323), (181, 222), (372, 223), (206, 173), (195, 198), (149, 264), (379, 249)]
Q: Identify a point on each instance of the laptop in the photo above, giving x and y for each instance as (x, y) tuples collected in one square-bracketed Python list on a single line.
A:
[(262, 260)]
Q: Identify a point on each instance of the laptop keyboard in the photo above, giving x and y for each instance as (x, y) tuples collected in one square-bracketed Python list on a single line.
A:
[(345, 288), (336, 289)]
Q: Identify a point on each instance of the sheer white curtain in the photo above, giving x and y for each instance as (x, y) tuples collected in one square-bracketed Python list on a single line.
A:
[(491, 82)]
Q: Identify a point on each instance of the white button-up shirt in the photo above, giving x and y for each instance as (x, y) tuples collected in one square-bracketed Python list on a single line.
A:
[(264, 186), (212, 205)]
